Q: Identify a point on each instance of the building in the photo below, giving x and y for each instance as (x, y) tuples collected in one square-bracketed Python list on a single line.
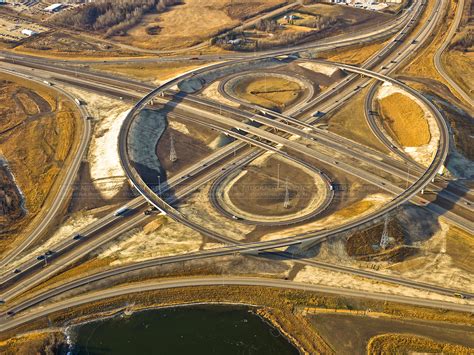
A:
[(53, 8)]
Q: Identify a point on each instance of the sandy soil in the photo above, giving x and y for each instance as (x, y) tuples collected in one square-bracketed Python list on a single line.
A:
[(316, 275), (198, 209), (328, 70), (70, 226), (160, 237), (212, 92), (106, 171)]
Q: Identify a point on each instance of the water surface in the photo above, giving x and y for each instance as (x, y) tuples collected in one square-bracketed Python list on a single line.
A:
[(182, 330)]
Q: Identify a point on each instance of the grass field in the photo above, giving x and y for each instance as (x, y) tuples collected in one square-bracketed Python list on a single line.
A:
[(409, 344), (404, 118), (460, 67), (34, 343), (148, 71), (192, 22), (360, 244), (349, 121), (272, 92), (67, 45), (460, 246), (38, 135), (353, 56), (457, 64)]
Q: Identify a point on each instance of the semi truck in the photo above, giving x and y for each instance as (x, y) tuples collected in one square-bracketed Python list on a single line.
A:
[(121, 211)]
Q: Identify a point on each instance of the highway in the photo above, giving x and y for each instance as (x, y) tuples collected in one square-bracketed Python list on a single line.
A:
[(224, 124), (41, 223), (438, 62), (141, 287), (430, 173)]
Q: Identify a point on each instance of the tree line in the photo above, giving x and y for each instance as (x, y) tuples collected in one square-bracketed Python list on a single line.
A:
[(114, 17)]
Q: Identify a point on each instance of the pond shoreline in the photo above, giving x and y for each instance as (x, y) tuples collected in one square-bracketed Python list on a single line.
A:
[(261, 312)]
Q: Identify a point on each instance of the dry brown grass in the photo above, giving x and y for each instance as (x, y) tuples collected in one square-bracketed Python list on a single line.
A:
[(33, 343), (271, 92), (148, 71), (61, 44), (355, 209), (460, 67), (360, 243), (193, 22), (405, 119), (423, 63), (350, 122), (403, 344), (460, 247), (355, 56), (38, 149)]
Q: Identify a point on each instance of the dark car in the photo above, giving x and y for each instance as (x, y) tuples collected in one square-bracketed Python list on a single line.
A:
[(40, 257), (77, 237)]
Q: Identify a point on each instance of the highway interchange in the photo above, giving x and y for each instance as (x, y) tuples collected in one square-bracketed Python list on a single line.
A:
[(273, 135)]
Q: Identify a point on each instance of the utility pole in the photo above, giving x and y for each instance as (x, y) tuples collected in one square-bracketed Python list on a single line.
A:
[(286, 203), (278, 175), (173, 155), (385, 237)]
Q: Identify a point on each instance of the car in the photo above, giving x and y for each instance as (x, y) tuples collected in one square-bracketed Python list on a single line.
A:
[(77, 237), (2, 302), (49, 252), (40, 257), (16, 271), (459, 295), (10, 313)]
